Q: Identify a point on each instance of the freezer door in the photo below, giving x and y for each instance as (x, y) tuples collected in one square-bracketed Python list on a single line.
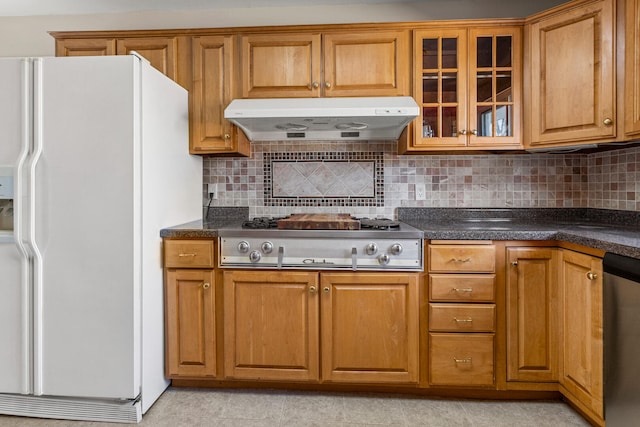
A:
[(86, 198), (15, 325)]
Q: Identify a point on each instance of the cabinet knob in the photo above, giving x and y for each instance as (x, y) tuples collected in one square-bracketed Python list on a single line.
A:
[(327, 85), (592, 276), (312, 289), (462, 131), (206, 285), (514, 263), (607, 121), (315, 85), (227, 136), (474, 132), (326, 289)]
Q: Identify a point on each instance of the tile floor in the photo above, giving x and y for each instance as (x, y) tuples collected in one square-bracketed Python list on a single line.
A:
[(262, 408)]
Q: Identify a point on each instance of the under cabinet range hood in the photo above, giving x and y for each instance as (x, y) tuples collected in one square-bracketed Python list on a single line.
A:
[(323, 119)]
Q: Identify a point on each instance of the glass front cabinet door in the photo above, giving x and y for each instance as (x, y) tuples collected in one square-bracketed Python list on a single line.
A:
[(468, 83)]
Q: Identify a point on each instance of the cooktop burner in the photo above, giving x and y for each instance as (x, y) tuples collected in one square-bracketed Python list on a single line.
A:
[(262, 222), (378, 223)]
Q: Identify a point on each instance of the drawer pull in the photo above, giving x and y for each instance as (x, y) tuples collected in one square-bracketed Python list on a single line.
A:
[(462, 260), (469, 320), (462, 290), (184, 255), (456, 360)]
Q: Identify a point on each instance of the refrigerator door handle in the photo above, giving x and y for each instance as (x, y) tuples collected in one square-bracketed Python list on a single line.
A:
[(36, 255), (21, 211)]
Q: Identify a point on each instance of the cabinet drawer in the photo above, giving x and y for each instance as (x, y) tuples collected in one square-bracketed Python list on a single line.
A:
[(188, 253), (461, 359), (462, 287), (462, 317), (462, 258)]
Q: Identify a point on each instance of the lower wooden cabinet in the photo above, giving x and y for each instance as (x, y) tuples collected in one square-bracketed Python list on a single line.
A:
[(190, 323), (271, 325), (582, 345), (369, 324), (457, 359), (533, 314)]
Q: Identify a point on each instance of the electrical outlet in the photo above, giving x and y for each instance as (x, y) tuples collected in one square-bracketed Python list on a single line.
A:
[(421, 192), (212, 189)]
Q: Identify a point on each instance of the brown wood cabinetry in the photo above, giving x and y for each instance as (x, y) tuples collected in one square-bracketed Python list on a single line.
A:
[(212, 90), (312, 64), (190, 309), (582, 346), (369, 326), (468, 82), (572, 75), (161, 52), (533, 314), (462, 313), (85, 47), (632, 68)]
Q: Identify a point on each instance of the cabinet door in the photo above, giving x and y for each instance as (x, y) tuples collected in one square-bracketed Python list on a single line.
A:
[(212, 59), (532, 314), (573, 76), (581, 279), (85, 47), (440, 88), (495, 87), (280, 65), (161, 52), (632, 70), (190, 323), (366, 64), (370, 327), (271, 325)]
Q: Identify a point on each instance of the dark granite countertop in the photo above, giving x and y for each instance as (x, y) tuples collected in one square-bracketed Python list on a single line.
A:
[(607, 230)]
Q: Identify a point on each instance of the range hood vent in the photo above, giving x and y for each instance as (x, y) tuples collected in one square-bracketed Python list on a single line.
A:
[(323, 119)]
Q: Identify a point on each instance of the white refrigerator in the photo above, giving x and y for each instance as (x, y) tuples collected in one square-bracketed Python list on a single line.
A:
[(93, 163)]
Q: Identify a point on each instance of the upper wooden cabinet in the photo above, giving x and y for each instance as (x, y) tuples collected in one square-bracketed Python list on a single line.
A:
[(572, 75), (632, 68), (85, 47), (469, 85), (159, 51), (311, 64), (212, 60)]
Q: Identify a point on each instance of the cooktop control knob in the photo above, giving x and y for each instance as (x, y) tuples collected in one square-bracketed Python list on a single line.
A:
[(383, 259), (371, 249), (267, 247), (396, 249), (255, 256), (243, 247)]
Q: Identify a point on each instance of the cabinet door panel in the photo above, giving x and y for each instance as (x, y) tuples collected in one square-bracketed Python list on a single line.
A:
[(161, 52), (271, 325), (280, 65), (632, 68), (190, 305), (370, 327), (366, 64), (573, 75), (581, 277), (85, 47), (532, 314)]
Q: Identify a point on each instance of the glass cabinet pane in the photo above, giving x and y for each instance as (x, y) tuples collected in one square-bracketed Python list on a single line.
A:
[(503, 51), (449, 87), (430, 53), (449, 124), (503, 87), (485, 52), (430, 87), (485, 86), (449, 53), (430, 122)]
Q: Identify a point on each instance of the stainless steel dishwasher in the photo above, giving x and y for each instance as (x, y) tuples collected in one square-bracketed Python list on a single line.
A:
[(621, 283)]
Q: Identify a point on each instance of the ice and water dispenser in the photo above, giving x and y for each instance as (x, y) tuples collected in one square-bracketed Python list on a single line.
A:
[(6, 198)]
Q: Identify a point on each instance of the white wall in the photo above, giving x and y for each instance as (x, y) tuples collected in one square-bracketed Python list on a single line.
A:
[(28, 36)]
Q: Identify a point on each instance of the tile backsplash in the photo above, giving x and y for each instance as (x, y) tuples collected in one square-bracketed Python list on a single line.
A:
[(371, 179)]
